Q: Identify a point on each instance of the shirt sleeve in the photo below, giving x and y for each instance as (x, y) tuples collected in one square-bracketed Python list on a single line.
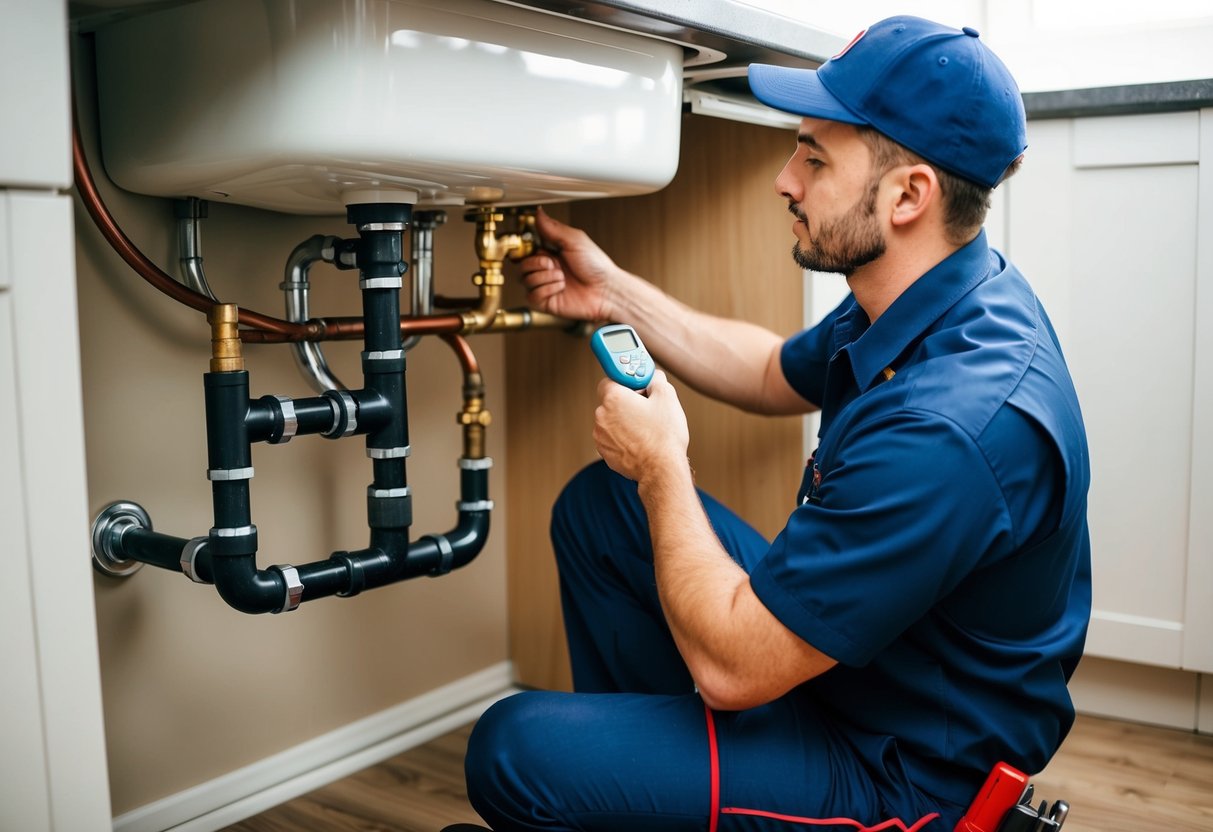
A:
[(908, 507), (806, 355)]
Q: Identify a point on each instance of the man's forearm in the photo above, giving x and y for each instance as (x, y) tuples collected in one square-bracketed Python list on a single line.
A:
[(738, 653), (732, 361)]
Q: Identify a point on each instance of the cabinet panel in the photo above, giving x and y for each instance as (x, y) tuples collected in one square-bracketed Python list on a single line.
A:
[(1198, 641), (1131, 352), (1105, 220), (719, 238), (1112, 141)]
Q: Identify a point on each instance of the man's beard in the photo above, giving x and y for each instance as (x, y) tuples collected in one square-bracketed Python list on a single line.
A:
[(846, 243)]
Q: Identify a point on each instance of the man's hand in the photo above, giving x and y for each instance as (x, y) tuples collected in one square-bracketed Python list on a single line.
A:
[(574, 278), (639, 434)]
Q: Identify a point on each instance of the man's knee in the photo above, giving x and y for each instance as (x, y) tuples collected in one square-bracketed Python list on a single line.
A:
[(587, 492), (506, 757), (597, 508)]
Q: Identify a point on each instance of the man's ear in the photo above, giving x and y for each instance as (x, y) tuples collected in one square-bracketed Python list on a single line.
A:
[(918, 189)]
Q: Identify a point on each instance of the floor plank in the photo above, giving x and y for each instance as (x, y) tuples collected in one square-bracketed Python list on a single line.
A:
[(1117, 777)]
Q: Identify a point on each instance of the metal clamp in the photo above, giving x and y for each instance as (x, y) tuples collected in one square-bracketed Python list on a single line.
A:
[(225, 474), (290, 420), (235, 531), (189, 556), (389, 453), (294, 587), (386, 493), (345, 414), (383, 355), (381, 283), (446, 552), (382, 226), (474, 505), (475, 464)]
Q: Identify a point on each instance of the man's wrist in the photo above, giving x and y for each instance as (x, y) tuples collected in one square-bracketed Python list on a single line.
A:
[(665, 477)]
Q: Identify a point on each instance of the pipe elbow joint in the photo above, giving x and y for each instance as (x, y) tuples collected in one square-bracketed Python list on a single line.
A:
[(247, 589), (483, 316)]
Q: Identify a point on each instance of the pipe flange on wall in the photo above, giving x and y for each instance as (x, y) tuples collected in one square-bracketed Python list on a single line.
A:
[(115, 520)]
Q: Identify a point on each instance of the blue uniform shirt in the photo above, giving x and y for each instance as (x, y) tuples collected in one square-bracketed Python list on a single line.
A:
[(939, 550)]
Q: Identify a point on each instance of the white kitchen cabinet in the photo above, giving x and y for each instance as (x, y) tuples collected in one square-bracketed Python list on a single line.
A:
[(1111, 219)]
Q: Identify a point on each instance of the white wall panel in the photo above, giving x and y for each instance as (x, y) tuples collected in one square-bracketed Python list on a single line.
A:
[(35, 144), (45, 356), (24, 799)]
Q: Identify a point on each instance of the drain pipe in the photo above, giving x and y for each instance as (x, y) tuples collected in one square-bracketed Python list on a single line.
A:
[(123, 539), (122, 534), (189, 244), (309, 357)]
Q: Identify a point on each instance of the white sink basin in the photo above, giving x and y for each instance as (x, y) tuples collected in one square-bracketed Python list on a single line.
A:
[(305, 106)]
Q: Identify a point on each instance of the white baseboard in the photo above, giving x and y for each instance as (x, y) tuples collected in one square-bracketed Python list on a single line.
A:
[(1140, 693), (247, 791)]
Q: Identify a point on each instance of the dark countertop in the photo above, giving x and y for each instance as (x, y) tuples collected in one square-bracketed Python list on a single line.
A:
[(1123, 100)]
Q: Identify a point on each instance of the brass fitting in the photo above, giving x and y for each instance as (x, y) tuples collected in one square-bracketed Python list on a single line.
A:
[(511, 320), (474, 419), (493, 249), (481, 317), (225, 338)]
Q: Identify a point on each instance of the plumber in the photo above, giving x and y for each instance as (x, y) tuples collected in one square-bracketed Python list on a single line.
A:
[(917, 619)]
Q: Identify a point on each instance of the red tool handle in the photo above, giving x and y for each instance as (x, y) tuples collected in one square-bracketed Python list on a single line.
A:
[(998, 795)]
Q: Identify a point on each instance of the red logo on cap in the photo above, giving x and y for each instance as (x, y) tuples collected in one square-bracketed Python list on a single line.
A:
[(847, 48)]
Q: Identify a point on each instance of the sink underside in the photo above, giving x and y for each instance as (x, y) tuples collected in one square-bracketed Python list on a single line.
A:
[(305, 106)]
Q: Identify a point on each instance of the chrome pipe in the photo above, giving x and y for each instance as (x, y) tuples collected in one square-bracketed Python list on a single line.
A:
[(424, 223), (309, 357), (189, 245)]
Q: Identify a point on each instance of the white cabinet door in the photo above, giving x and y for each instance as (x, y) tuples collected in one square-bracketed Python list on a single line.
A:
[(1106, 221)]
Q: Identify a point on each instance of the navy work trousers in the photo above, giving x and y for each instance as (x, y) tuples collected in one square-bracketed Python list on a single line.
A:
[(635, 748)]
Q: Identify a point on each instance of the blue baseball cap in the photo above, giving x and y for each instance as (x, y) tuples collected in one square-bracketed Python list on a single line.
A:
[(936, 90)]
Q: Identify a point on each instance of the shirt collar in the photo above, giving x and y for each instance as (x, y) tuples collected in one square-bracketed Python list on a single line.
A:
[(874, 347)]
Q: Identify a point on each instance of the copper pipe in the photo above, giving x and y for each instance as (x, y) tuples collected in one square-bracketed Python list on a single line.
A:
[(144, 267), (473, 417), (268, 329), (463, 351), (431, 325)]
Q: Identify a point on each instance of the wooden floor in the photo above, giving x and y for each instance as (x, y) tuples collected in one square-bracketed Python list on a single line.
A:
[(1117, 777)]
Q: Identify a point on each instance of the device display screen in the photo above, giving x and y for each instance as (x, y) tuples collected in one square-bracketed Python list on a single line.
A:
[(620, 341)]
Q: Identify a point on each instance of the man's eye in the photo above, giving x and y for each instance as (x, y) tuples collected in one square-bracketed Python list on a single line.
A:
[(816, 163)]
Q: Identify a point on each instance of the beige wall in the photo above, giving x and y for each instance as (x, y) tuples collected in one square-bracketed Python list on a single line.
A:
[(193, 689)]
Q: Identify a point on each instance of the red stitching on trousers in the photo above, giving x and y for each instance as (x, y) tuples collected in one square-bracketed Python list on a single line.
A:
[(892, 823), (714, 763)]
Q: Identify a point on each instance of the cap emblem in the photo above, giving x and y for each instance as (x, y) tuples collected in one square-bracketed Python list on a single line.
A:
[(847, 48)]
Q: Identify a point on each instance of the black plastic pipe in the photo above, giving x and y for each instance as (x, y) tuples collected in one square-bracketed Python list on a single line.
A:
[(227, 557)]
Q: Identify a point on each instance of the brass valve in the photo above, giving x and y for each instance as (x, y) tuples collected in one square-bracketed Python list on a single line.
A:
[(474, 417), (492, 249)]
